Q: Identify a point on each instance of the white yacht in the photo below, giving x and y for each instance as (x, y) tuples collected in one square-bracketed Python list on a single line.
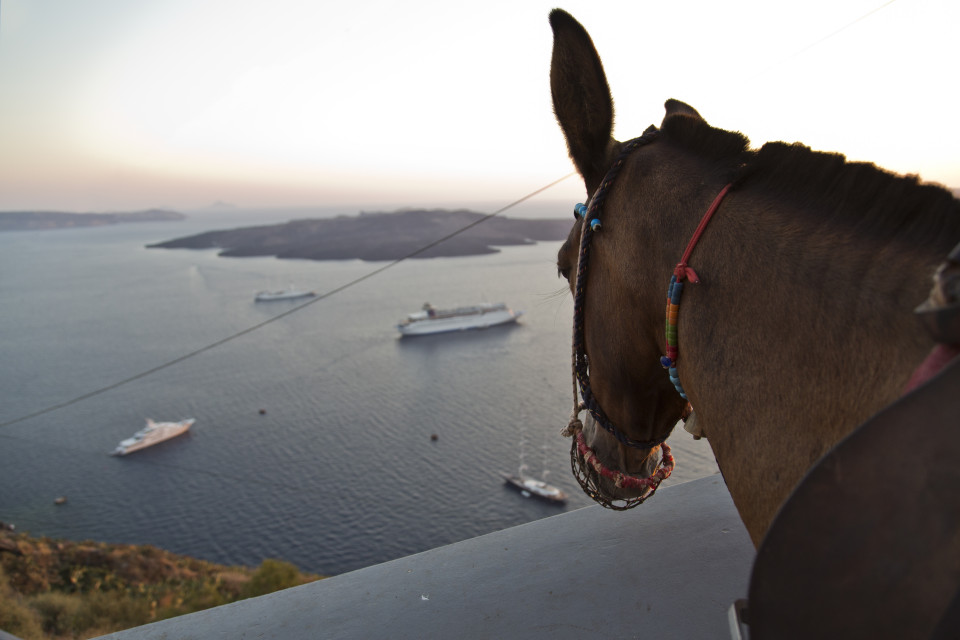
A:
[(153, 433)]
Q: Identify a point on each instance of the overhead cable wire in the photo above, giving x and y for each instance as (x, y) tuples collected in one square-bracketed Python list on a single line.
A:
[(823, 39), (260, 325)]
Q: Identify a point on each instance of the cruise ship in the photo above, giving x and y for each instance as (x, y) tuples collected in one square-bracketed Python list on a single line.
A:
[(283, 294), (153, 433), (431, 320)]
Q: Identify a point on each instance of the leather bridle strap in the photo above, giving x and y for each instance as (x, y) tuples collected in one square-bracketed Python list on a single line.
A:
[(591, 224), (684, 272)]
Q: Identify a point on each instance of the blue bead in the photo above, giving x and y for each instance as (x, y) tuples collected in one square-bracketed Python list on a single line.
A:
[(675, 292), (595, 224), (665, 362), (580, 210)]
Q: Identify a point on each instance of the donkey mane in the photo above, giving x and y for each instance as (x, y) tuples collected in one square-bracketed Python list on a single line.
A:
[(857, 196)]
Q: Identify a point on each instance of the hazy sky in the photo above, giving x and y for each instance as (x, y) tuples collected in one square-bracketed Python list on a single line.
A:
[(113, 104)]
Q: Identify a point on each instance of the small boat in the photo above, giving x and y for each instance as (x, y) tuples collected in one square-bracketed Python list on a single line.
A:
[(431, 320), (283, 294), (538, 488), (153, 433)]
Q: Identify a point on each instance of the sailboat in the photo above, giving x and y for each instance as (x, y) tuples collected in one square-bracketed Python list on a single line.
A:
[(530, 486)]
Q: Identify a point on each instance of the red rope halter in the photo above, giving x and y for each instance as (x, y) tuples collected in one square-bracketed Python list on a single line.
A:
[(581, 455)]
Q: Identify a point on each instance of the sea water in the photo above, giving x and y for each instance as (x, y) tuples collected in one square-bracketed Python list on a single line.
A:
[(313, 440)]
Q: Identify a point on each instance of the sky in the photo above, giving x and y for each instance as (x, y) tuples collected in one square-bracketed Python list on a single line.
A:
[(109, 105)]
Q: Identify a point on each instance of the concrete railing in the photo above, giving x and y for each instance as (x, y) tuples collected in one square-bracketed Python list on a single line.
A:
[(670, 568)]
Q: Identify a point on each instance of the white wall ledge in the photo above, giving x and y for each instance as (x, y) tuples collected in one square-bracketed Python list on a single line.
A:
[(670, 568)]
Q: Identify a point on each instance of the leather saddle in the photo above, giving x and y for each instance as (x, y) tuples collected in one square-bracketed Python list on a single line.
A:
[(868, 544)]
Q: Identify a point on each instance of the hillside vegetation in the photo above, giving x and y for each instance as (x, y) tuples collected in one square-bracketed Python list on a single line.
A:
[(55, 589)]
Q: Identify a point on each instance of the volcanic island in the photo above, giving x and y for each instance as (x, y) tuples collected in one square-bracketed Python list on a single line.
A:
[(408, 233)]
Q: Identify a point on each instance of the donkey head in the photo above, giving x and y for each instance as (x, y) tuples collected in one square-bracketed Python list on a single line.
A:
[(623, 304)]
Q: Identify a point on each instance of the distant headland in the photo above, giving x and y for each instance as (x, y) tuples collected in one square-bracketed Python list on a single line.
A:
[(378, 236), (42, 220)]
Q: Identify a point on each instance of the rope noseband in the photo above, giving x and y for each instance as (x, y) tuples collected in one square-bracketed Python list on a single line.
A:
[(586, 466)]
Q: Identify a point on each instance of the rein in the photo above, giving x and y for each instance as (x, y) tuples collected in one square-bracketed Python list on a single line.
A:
[(581, 455)]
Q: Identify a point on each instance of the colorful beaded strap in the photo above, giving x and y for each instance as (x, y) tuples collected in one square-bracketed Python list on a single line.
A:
[(681, 273)]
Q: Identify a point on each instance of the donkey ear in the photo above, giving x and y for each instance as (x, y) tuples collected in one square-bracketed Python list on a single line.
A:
[(677, 108), (581, 98)]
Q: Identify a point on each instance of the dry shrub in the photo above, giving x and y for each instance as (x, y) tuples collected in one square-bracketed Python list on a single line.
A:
[(271, 575)]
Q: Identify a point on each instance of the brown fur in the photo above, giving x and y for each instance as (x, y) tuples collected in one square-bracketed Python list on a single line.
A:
[(802, 326)]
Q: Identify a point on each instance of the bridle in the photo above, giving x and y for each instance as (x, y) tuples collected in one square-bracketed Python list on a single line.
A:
[(582, 457)]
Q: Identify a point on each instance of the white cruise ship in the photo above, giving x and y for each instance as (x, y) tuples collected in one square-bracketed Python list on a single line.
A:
[(430, 320), (283, 294), (153, 433)]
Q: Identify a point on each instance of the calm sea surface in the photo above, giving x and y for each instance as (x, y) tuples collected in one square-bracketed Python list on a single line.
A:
[(340, 472)]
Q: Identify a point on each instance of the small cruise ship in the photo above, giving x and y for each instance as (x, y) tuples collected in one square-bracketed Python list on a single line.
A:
[(153, 433), (283, 294), (431, 320)]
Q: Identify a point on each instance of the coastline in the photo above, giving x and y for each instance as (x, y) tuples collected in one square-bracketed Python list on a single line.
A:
[(48, 220)]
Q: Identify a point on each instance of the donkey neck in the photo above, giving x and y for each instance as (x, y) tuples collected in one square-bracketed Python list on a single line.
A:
[(795, 336)]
